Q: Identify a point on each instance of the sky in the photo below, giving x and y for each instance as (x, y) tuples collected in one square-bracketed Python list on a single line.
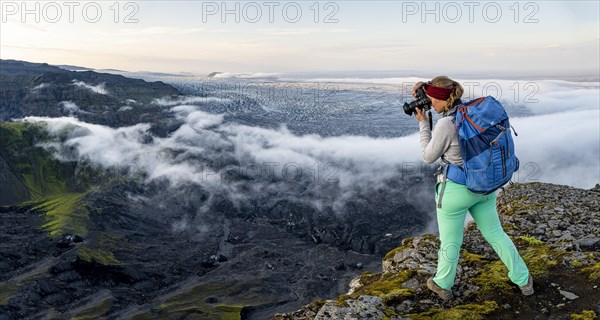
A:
[(536, 37)]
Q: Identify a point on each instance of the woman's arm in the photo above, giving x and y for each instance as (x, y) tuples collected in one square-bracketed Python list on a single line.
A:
[(434, 146)]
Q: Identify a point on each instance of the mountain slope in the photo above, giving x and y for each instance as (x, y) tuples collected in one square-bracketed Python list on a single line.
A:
[(555, 229), (38, 89)]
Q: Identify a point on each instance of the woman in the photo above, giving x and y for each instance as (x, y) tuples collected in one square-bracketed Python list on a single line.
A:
[(445, 95)]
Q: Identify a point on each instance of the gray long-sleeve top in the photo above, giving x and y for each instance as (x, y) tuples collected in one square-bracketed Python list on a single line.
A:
[(443, 142)]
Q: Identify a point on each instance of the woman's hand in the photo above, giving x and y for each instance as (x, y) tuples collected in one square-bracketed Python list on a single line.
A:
[(421, 115), (414, 90)]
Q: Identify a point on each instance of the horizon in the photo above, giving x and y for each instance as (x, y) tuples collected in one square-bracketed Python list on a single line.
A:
[(359, 74)]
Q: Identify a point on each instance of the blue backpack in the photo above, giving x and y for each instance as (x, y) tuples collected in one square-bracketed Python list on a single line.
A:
[(486, 146)]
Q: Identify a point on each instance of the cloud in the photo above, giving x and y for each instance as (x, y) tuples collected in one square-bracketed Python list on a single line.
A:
[(185, 100), (247, 75), (40, 86), (68, 107), (205, 149), (562, 148), (558, 142), (300, 31), (158, 30), (100, 89), (125, 108)]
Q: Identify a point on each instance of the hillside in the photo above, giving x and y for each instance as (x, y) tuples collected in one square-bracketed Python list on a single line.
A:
[(39, 89), (556, 230)]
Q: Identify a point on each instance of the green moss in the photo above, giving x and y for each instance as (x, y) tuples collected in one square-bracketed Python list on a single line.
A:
[(584, 315), (463, 312), (6, 292), (387, 286), (95, 311), (493, 276), (110, 240), (593, 271), (389, 313), (531, 240), (522, 204), (234, 296), (472, 258), (406, 243), (539, 258), (507, 227), (576, 263), (100, 256), (64, 214), (35, 167), (229, 312), (143, 316)]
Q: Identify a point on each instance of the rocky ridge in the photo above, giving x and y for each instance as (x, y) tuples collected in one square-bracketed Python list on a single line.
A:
[(556, 230)]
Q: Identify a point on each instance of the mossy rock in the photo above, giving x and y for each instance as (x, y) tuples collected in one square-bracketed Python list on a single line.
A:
[(593, 271), (64, 214), (474, 311), (100, 256), (6, 292), (387, 286), (193, 302), (530, 240), (406, 243), (539, 258), (584, 315), (472, 258)]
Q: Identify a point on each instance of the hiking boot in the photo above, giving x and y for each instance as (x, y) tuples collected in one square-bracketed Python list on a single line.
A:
[(527, 289), (443, 293)]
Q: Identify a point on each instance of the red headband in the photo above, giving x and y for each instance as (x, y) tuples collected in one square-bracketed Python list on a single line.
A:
[(438, 92)]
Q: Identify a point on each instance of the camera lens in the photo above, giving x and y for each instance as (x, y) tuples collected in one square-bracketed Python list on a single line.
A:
[(422, 101)]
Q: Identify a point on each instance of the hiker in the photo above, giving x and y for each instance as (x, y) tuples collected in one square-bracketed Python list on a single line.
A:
[(456, 199)]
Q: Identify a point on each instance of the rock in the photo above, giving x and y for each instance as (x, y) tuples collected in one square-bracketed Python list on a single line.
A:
[(412, 284), (57, 299), (573, 224), (405, 306), (145, 286), (556, 233), (569, 295), (340, 265), (68, 240), (365, 307), (404, 254), (566, 236), (588, 242), (354, 283), (553, 224)]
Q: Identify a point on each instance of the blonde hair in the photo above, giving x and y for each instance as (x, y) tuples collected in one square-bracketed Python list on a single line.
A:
[(445, 82)]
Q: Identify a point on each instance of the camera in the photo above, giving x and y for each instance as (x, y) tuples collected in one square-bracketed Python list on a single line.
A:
[(422, 101)]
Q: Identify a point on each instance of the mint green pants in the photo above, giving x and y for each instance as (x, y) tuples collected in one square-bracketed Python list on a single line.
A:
[(457, 199)]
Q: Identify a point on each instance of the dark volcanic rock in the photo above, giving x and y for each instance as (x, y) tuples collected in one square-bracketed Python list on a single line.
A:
[(106, 244), (31, 89)]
